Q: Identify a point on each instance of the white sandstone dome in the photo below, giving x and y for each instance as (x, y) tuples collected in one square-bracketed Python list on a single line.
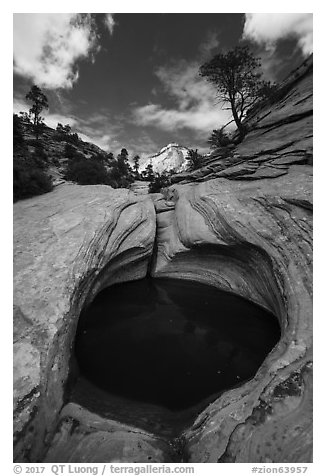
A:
[(170, 157)]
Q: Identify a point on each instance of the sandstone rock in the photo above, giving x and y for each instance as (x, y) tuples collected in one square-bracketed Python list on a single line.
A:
[(54, 146), (84, 437), (255, 239), (171, 157), (140, 187), (278, 134), (242, 223), (246, 227), (68, 244)]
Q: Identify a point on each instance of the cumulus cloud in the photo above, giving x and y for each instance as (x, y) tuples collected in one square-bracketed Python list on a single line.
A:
[(268, 28), (93, 129), (98, 137), (52, 120), (104, 142), (109, 22), (195, 107), (103, 129), (47, 46), (20, 106)]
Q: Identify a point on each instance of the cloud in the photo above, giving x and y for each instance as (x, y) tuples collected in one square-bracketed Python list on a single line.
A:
[(195, 107), (47, 46), (268, 28), (142, 145), (20, 106), (209, 46), (51, 119), (99, 128), (104, 142), (103, 129), (94, 129), (109, 22)]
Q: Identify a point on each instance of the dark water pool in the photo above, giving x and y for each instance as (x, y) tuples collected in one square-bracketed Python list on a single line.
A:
[(171, 342)]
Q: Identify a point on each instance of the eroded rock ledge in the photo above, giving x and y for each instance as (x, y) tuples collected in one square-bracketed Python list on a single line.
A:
[(254, 240), (242, 223), (278, 135), (68, 245)]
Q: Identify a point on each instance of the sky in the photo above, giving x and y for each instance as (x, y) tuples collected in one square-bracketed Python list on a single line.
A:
[(131, 80)]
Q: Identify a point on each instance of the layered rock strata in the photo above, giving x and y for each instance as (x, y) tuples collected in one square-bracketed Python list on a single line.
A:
[(248, 229), (279, 136), (254, 240), (242, 223), (68, 244)]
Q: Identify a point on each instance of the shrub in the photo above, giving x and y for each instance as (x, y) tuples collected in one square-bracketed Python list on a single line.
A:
[(124, 182), (72, 153), (194, 158), (39, 155), (159, 182), (25, 117), (60, 137), (219, 138), (269, 91), (18, 137), (109, 158), (120, 173), (33, 142), (270, 94), (29, 179), (148, 173), (73, 138), (87, 172), (63, 133), (63, 129), (55, 161)]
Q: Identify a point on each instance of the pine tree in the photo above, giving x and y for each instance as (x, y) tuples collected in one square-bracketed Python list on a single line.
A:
[(149, 173), (136, 165), (237, 77), (39, 102)]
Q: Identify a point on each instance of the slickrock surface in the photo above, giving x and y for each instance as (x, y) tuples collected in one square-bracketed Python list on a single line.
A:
[(68, 244), (243, 223), (253, 239), (279, 135), (248, 229), (139, 187), (84, 437)]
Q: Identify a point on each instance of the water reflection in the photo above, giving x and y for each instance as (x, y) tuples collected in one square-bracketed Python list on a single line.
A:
[(171, 342)]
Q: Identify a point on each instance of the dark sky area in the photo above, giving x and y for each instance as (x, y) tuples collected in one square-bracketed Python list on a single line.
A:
[(131, 80)]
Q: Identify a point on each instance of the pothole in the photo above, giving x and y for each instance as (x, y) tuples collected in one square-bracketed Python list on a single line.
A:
[(155, 352)]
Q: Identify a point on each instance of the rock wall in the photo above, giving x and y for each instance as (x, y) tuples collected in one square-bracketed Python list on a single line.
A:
[(68, 244), (243, 223), (279, 136), (254, 240)]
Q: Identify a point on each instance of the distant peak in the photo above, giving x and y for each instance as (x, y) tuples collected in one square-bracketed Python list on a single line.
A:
[(173, 144), (172, 156)]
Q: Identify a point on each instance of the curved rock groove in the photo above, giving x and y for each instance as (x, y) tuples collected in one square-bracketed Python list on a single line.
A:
[(252, 236)]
